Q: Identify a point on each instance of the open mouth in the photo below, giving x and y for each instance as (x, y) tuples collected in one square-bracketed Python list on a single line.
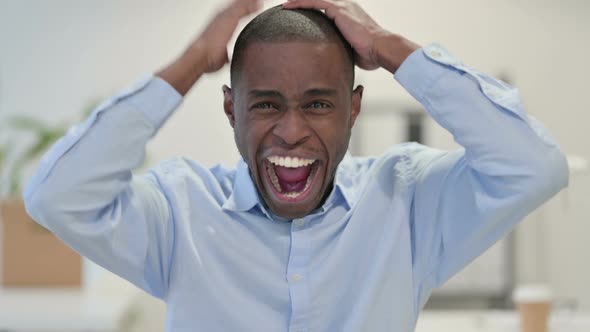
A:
[(291, 178)]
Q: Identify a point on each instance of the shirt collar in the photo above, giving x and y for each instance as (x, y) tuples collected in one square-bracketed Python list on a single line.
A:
[(344, 185), (245, 194)]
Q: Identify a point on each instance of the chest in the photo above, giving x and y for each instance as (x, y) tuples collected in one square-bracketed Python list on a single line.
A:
[(347, 269)]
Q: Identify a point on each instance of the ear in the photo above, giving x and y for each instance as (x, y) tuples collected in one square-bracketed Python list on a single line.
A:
[(228, 105), (357, 97)]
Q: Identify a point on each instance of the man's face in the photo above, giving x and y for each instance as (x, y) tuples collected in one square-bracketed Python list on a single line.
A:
[(292, 111)]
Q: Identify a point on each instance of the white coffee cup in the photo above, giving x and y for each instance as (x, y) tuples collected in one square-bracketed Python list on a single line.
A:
[(534, 305)]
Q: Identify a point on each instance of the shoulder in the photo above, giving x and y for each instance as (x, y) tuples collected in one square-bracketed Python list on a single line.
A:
[(413, 157), (185, 174), (405, 161), (419, 164)]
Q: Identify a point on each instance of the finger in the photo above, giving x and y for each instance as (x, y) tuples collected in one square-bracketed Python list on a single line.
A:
[(241, 8), (253, 6), (316, 4)]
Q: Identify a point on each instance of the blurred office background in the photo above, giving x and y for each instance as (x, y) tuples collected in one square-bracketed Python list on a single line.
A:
[(60, 57)]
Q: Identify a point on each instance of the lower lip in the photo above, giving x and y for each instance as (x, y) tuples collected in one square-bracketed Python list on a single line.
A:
[(314, 174)]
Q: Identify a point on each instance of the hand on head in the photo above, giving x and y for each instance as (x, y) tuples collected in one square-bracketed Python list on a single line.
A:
[(359, 29), (214, 39), (373, 46)]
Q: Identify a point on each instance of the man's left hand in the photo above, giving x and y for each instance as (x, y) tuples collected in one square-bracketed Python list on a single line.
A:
[(366, 37)]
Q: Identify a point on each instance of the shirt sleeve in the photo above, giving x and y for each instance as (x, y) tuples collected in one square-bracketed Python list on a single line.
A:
[(84, 192), (466, 200)]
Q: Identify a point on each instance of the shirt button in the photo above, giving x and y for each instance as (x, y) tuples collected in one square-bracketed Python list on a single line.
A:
[(299, 222), (296, 277), (435, 54), (492, 92)]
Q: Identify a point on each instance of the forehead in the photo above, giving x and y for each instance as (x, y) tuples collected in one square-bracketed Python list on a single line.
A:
[(295, 66)]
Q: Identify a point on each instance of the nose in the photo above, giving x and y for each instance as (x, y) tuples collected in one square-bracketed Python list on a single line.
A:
[(292, 128)]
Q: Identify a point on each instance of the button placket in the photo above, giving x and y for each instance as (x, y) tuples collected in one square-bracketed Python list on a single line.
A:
[(296, 277)]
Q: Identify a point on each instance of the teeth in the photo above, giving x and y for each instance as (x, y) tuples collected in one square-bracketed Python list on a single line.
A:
[(273, 178), (292, 195), (291, 162)]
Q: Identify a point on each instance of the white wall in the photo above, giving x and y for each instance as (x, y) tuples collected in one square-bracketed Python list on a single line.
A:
[(56, 56)]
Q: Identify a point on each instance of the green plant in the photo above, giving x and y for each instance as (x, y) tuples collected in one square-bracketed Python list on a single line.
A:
[(11, 165), (45, 136)]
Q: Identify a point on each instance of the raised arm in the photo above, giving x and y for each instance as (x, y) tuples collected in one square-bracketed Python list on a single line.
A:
[(465, 200), (208, 53), (84, 190)]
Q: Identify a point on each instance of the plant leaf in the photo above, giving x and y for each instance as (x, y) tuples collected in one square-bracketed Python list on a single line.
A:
[(3, 153), (27, 123)]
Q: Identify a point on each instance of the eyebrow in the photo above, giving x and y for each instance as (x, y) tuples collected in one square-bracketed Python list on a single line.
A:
[(266, 94), (276, 94), (320, 92)]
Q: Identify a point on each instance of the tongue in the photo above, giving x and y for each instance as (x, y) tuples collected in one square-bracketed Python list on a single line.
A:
[(287, 174), (292, 179)]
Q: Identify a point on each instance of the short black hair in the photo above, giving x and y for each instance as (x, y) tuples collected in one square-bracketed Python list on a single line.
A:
[(276, 25)]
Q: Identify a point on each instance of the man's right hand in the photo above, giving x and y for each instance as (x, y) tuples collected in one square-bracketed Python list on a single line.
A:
[(208, 53), (216, 36)]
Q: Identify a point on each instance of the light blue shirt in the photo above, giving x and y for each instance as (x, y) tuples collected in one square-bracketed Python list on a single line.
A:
[(394, 227)]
